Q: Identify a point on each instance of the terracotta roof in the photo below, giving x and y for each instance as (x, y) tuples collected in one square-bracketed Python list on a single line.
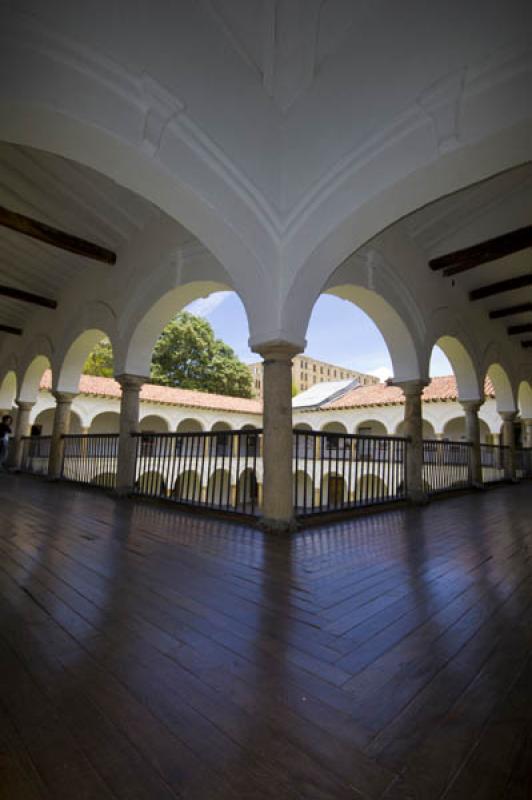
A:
[(381, 394), (378, 394), (107, 387)]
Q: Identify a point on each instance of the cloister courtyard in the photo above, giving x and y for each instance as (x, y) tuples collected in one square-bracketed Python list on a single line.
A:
[(204, 596)]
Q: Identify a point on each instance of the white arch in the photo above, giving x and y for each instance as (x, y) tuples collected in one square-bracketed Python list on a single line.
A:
[(154, 423), (32, 377), (396, 334), (504, 394), (8, 390), (465, 372), (190, 425), (357, 211), (105, 422), (525, 399), (71, 366)]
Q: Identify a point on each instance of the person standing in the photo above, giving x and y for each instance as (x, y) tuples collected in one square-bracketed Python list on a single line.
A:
[(5, 433)]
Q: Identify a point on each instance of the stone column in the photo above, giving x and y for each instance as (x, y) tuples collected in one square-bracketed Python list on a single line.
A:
[(508, 440), (278, 500), (22, 428), (527, 432), (413, 428), (472, 426), (61, 428), (129, 423)]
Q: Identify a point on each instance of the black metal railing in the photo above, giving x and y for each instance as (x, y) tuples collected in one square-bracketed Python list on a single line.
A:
[(446, 465), (523, 462), (494, 462), (334, 471), (35, 454), (91, 458), (212, 469)]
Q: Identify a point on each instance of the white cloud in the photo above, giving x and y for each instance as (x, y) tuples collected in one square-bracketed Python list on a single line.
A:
[(204, 306), (382, 373)]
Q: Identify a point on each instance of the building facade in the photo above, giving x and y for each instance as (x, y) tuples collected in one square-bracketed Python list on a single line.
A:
[(306, 372)]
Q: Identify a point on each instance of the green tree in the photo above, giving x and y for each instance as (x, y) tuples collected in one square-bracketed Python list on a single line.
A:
[(188, 355), (100, 361)]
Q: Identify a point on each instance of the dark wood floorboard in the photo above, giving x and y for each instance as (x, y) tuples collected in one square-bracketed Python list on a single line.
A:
[(150, 655)]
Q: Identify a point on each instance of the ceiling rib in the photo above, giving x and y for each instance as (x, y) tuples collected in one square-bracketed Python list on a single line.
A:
[(27, 297), (515, 330), (519, 282), (483, 252), (522, 308), (55, 237), (10, 329)]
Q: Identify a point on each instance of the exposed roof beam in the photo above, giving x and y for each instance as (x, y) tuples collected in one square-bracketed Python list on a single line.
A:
[(501, 286), (55, 237), (483, 252), (509, 310), (515, 330), (10, 329), (27, 297), (527, 343)]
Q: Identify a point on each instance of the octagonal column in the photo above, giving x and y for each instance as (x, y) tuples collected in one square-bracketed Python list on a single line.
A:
[(278, 500), (508, 440), (22, 428), (60, 428), (472, 426), (129, 423), (413, 426)]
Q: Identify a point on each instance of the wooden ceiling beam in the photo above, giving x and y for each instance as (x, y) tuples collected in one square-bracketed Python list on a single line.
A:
[(55, 237), (483, 252), (522, 308), (27, 297), (520, 282), (10, 329), (515, 330)]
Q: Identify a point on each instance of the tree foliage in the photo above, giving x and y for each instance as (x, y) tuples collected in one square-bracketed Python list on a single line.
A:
[(100, 361), (187, 355)]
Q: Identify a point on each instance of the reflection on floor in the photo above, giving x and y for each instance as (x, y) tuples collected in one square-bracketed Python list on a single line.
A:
[(148, 654)]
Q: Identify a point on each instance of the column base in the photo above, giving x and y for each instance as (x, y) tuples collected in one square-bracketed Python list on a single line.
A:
[(419, 498), (280, 527)]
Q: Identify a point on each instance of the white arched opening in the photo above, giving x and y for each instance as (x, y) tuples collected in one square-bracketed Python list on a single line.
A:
[(504, 394), (32, 379), (8, 392), (463, 368), (106, 422), (71, 368)]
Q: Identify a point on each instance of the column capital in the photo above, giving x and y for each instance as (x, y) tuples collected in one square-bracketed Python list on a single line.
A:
[(130, 383), (508, 416), (412, 388), (64, 397), (277, 351), (24, 405), (471, 406)]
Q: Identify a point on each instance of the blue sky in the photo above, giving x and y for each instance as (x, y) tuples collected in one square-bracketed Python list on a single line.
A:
[(338, 332)]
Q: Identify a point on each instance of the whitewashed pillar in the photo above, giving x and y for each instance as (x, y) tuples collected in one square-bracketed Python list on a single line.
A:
[(129, 423), (60, 428), (22, 428), (413, 429), (278, 499), (527, 432), (508, 440), (472, 426)]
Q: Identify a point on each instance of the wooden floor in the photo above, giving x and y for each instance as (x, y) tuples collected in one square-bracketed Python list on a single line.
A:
[(147, 654)]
